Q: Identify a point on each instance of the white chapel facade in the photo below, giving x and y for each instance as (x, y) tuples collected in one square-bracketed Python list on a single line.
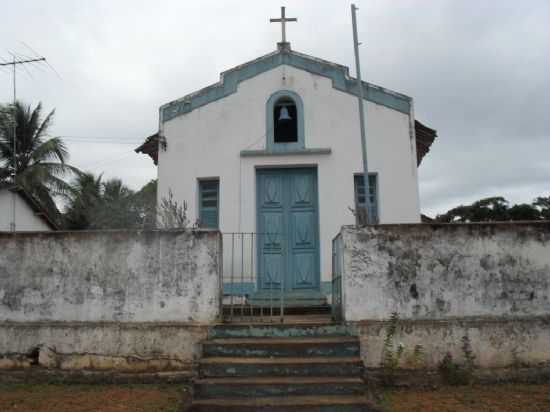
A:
[(274, 148)]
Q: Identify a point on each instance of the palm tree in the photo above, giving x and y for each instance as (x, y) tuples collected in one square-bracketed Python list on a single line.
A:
[(41, 161), (96, 204), (84, 201)]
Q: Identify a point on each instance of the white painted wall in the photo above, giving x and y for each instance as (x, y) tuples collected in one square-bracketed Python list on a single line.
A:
[(207, 141), (26, 218), (446, 271)]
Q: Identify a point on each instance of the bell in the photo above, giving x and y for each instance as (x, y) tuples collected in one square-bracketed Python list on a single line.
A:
[(283, 115)]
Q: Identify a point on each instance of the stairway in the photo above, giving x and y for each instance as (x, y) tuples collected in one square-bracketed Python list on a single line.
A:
[(306, 367)]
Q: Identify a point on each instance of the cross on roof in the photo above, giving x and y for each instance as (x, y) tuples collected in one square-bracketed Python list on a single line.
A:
[(283, 21)]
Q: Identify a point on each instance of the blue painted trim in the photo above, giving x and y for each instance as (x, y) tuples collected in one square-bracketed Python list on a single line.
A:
[(209, 217), (269, 106), (248, 288), (310, 151), (238, 288), (230, 79)]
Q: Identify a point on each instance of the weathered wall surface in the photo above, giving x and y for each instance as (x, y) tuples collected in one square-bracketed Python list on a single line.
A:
[(490, 282), (132, 347), (446, 271), (110, 276), (496, 343), (120, 300)]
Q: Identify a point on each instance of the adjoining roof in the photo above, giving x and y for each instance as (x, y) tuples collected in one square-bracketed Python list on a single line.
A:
[(150, 147), (229, 80), (425, 137), (33, 204)]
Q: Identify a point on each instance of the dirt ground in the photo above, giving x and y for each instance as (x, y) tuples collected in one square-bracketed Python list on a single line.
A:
[(167, 398), (91, 398), (486, 398)]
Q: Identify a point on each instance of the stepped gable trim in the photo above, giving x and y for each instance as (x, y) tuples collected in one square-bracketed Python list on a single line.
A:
[(230, 79)]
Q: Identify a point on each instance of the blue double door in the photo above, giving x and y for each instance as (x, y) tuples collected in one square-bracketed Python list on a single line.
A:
[(288, 232)]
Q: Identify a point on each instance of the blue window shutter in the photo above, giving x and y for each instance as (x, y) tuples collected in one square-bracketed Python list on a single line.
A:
[(209, 193), (373, 195)]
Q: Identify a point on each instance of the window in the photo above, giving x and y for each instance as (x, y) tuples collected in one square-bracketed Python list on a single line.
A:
[(285, 121), (360, 197), (209, 203)]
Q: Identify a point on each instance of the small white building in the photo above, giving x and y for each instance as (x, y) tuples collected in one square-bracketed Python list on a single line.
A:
[(274, 149), (29, 215)]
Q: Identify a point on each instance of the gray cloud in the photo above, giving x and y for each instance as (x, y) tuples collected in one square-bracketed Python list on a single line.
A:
[(476, 69)]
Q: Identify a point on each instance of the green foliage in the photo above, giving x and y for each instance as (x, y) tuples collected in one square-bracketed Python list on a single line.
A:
[(458, 374), (497, 209), (40, 160), (97, 204), (172, 215), (418, 356), (391, 356), (517, 362), (145, 203)]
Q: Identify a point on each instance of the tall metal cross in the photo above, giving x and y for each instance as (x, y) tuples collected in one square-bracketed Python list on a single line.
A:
[(283, 20)]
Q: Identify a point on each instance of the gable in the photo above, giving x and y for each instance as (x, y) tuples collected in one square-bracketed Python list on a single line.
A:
[(28, 201), (230, 79)]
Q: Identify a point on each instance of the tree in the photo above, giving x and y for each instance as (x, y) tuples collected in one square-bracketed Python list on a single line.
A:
[(116, 208), (543, 205), (145, 202), (484, 210), (84, 201), (496, 209), (41, 161), (97, 204)]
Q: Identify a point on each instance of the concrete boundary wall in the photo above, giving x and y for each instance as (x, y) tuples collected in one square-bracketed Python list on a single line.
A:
[(490, 282), (440, 271), (124, 300)]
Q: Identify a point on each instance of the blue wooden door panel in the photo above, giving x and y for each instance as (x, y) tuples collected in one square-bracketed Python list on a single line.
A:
[(288, 240)]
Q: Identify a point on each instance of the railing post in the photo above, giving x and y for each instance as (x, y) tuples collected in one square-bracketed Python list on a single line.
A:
[(242, 274), (232, 271)]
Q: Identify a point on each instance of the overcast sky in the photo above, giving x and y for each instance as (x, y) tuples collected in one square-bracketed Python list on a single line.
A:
[(479, 72)]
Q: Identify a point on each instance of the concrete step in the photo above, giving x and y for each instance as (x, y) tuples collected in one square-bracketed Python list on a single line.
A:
[(210, 388), (261, 330), (285, 347), (325, 403), (350, 366)]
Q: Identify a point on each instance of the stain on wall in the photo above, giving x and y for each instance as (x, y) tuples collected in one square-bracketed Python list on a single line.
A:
[(125, 276), (125, 301), (438, 271)]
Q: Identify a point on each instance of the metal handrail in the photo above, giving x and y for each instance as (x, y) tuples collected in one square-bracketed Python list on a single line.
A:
[(240, 280)]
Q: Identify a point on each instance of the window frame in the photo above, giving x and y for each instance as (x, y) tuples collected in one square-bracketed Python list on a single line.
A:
[(201, 190), (375, 201), (271, 146)]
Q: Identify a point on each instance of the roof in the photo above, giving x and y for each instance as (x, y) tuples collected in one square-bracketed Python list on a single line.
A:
[(425, 137), (150, 147), (229, 80), (32, 203)]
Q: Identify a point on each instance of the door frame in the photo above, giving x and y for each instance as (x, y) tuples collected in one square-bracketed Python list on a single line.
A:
[(317, 274)]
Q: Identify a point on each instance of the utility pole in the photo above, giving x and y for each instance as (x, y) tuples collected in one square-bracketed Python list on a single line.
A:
[(356, 44), (14, 63)]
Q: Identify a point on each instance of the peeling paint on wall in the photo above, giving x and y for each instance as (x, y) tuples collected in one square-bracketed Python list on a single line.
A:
[(110, 276), (432, 271)]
